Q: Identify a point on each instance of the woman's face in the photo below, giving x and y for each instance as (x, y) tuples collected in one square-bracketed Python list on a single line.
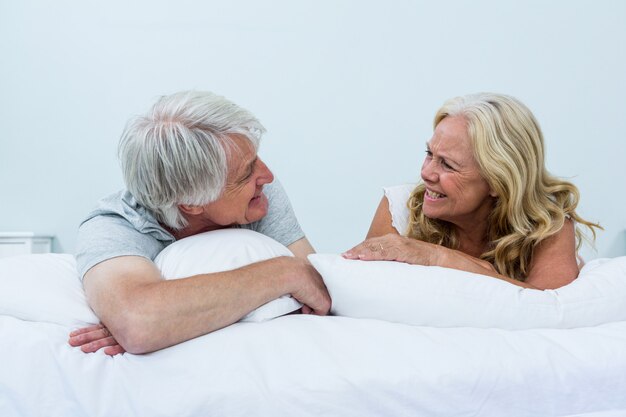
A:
[(455, 190)]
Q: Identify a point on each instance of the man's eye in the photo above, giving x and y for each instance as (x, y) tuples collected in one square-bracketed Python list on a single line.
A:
[(247, 177), (429, 154)]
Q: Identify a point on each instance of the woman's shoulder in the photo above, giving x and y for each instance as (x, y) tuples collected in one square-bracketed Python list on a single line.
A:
[(398, 196)]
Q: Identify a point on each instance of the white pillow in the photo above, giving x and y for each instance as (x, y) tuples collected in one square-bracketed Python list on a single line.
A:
[(223, 250), (44, 288), (442, 297)]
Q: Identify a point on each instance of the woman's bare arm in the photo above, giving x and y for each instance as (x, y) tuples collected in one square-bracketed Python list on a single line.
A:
[(554, 261)]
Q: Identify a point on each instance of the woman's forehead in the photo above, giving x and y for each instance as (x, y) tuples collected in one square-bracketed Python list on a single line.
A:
[(451, 138)]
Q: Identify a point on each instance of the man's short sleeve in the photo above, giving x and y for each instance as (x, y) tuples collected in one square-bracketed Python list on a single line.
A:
[(280, 223), (109, 236)]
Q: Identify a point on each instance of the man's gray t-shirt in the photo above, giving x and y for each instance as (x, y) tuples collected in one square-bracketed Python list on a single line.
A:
[(120, 226)]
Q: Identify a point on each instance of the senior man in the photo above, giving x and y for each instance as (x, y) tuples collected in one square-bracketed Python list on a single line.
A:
[(190, 166)]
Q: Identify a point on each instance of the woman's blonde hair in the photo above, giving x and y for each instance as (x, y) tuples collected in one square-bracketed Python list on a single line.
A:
[(531, 204)]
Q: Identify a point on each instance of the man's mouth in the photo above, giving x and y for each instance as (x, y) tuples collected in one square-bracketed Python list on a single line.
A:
[(257, 197)]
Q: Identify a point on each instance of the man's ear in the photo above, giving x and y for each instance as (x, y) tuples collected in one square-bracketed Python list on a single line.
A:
[(189, 209)]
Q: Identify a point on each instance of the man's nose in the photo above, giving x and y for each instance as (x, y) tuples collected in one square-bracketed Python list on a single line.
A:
[(265, 175)]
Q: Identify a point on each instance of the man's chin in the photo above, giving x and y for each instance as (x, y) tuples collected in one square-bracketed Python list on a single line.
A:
[(255, 217)]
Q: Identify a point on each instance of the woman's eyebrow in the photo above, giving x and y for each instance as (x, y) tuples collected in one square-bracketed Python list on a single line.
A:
[(446, 157)]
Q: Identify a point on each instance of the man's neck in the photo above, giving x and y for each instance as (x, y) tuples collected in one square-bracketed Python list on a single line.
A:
[(194, 226)]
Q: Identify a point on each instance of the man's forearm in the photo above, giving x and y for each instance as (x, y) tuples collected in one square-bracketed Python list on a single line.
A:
[(147, 314)]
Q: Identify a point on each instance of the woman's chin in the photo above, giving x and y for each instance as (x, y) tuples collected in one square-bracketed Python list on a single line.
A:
[(431, 214)]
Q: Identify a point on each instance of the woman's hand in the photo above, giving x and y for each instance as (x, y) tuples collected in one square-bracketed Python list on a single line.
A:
[(393, 247), (93, 338)]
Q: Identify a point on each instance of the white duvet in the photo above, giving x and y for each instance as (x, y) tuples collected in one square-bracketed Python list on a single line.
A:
[(321, 366), (387, 354)]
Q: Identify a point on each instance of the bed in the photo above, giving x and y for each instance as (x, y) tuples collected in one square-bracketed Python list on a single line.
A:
[(403, 341)]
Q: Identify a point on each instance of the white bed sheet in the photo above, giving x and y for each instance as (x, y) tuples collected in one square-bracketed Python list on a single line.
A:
[(321, 366)]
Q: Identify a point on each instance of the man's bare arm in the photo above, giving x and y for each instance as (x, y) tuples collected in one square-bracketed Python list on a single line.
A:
[(144, 312)]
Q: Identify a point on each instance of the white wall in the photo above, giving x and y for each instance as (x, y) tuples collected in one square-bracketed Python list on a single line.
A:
[(347, 90)]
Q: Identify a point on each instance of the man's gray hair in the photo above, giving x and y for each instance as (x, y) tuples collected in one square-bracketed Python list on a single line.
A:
[(178, 152)]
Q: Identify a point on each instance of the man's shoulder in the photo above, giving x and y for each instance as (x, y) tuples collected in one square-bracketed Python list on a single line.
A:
[(117, 203), (118, 226), (122, 208)]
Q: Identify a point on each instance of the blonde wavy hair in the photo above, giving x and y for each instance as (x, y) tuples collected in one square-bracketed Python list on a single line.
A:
[(531, 206)]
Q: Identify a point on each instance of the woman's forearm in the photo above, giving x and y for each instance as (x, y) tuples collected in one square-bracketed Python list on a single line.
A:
[(450, 258)]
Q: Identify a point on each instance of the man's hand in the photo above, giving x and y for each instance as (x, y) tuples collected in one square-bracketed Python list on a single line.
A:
[(308, 287), (92, 338), (301, 249)]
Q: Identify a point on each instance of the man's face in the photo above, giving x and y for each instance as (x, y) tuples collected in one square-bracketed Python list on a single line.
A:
[(243, 200)]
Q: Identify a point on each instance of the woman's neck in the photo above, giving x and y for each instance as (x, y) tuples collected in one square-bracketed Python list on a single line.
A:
[(473, 241)]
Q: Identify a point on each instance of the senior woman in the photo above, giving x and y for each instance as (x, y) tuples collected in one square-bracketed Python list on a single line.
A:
[(486, 203)]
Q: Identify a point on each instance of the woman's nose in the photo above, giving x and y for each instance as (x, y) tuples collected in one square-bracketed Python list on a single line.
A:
[(429, 170)]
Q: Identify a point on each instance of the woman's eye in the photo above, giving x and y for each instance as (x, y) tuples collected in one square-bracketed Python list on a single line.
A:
[(446, 165)]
